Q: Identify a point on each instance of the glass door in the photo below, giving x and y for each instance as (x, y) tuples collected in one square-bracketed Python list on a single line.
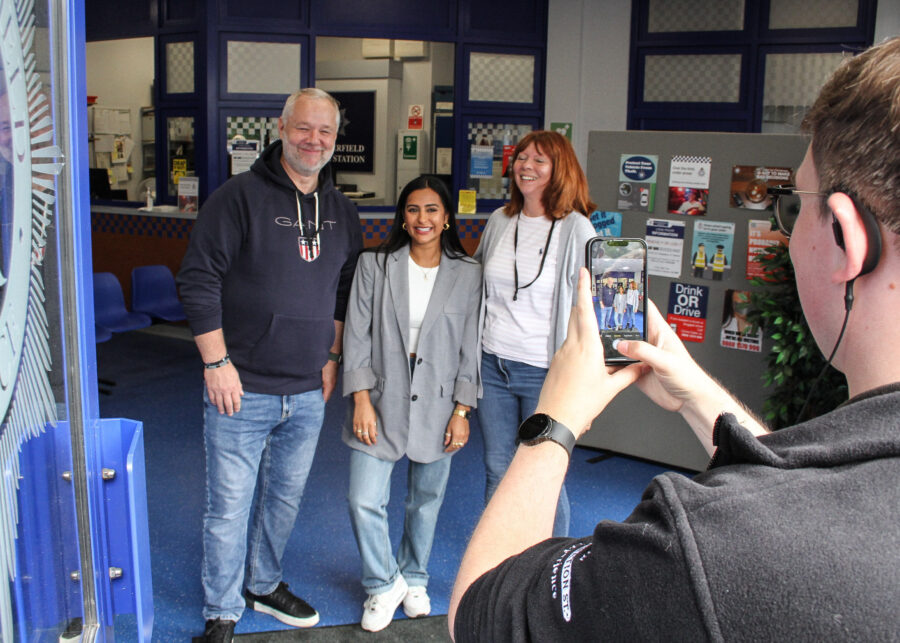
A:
[(53, 511)]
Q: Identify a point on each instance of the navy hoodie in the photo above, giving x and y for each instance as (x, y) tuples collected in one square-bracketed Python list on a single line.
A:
[(244, 273)]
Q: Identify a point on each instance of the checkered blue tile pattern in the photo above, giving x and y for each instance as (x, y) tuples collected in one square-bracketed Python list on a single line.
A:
[(141, 226)]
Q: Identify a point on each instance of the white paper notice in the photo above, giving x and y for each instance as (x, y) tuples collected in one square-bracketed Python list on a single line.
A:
[(665, 245)]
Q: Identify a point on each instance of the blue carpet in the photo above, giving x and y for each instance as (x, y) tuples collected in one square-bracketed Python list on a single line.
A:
[(158, 381)]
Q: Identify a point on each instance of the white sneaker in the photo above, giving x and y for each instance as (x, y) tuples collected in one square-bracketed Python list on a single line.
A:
[(417, 603), (378, 610)]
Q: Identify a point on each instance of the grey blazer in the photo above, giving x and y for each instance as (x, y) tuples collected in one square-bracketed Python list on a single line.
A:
[(411, 413)]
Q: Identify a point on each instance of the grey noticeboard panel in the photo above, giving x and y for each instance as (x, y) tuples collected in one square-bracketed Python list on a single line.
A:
[(632, 424)]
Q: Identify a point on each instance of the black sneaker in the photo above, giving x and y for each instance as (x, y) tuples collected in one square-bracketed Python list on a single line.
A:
[(219, 631), (283, 605)]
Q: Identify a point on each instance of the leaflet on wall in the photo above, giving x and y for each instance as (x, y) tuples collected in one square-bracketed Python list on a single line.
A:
[(607, 224), (687, 311), (481, 162), (711, 252), (188, 194), (735, 327), (761, 237), (467, 201), (637, 182), (749, 183), (665, 245), (689, 185), (122, 146), (243, 154)]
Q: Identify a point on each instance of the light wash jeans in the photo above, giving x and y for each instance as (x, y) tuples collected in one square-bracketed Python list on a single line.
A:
[(266, 448), (370, 492), (511, 391), (629, 315)]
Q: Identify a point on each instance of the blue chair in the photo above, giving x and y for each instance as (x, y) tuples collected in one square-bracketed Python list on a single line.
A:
[(109, 306), (101, 334), (153, 293)]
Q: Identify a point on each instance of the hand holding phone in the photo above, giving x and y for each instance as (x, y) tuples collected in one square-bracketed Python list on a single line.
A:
[(618, 269)]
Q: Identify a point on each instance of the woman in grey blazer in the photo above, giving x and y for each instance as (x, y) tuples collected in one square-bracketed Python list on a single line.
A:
[(411, 372)]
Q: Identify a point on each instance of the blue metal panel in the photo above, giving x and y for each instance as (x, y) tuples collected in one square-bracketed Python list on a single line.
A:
[(434, 20), (109, 19), (498, 21), (126, 518), (292, 15)]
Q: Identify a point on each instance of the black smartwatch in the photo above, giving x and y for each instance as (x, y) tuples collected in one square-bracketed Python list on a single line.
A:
[(540, 427)]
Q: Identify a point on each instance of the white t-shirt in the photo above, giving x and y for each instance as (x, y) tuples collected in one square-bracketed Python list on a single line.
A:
[(518, 330), (421, 283)]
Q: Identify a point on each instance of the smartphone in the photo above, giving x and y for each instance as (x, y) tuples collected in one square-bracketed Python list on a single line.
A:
[(618, 270)]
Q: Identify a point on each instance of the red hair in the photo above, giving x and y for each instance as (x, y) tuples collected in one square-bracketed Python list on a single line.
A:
[(567, 190)]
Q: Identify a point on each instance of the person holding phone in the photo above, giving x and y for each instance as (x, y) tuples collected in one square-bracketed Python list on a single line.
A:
[(531, 250), (411, 372), (789, 535)]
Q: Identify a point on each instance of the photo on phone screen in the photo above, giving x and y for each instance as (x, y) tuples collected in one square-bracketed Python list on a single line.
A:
[(618, 270)]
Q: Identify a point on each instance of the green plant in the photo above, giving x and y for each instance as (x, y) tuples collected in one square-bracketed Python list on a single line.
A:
[(795, 361)]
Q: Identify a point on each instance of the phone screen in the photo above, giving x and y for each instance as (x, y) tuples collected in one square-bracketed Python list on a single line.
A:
[(618, 270)]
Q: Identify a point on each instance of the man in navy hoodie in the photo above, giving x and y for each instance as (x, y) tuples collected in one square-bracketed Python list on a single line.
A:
[(265, 284), (788, 536)]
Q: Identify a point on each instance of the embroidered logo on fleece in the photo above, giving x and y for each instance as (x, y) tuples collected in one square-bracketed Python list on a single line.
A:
[(561, 580)]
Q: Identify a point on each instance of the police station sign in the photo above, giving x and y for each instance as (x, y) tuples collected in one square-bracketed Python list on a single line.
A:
[(354, 150)]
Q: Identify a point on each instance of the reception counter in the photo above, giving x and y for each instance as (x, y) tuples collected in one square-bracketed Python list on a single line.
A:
[(126, 237)]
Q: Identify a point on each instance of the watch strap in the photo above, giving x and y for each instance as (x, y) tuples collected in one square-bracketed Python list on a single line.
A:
[(462, 413), (335, 357), (555, 432)]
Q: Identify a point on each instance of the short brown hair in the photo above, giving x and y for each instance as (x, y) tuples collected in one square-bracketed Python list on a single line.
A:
[(568, 188), (855, 130)]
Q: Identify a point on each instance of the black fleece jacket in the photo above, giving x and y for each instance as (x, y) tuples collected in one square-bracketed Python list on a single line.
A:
[(793, 536), (243, 272)]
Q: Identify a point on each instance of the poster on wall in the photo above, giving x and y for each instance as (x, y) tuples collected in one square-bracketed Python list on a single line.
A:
[(736, 330), (760, 237), (354, 150), (607, 224), (749, 185), (637, 182), (665, 245), (689, 185), (481, 162), (687, 311), (711, 253)]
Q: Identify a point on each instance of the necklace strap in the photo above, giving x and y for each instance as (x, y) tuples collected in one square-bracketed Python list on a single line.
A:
[(516, 263)]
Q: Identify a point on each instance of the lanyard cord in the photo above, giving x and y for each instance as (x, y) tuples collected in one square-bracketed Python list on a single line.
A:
[(515, 263), (315, 234)]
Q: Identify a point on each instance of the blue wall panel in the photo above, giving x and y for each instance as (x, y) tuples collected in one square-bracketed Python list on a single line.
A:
[(108, 19), (433, 20)]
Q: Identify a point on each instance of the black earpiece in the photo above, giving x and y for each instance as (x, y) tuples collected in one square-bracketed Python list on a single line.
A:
[(873, 236)]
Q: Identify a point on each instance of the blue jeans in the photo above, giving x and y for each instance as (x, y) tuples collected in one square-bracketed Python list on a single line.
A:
[(266, 448), (370, 492), (607, 317), (511, 391), (629, 316)]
